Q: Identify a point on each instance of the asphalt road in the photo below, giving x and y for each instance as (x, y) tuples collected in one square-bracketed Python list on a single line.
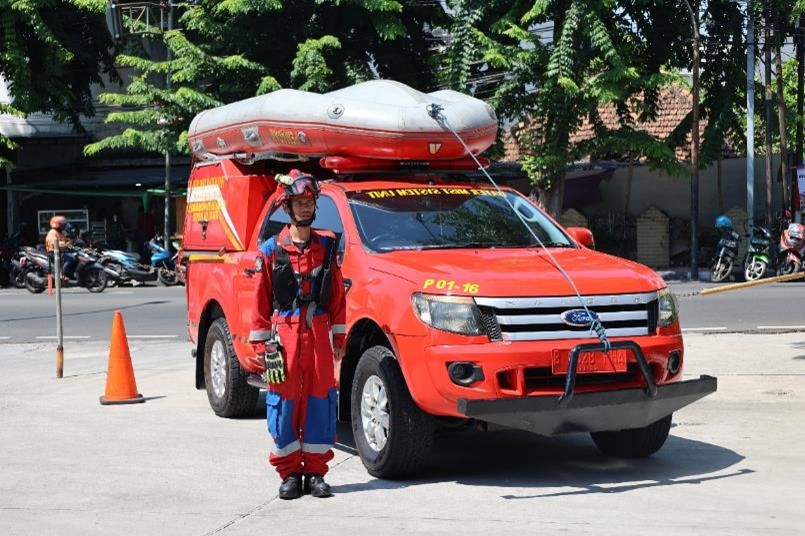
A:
[(156, 312), (149, 312)]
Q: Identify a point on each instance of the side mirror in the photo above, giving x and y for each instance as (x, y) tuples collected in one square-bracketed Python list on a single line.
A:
[(583, 236)]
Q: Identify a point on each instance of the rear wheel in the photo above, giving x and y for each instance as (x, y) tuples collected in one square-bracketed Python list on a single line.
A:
[(393, 436), (721, 269), (118, 269), (225, 379), (634, 442), (95, 279), (32, 284)]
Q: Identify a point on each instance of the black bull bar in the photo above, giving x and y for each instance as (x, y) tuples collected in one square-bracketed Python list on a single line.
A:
[(598, 411)]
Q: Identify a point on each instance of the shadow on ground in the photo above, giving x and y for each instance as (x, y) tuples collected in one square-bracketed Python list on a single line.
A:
[(517, 459)]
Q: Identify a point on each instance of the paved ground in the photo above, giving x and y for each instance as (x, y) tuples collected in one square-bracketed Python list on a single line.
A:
[(68, 466)]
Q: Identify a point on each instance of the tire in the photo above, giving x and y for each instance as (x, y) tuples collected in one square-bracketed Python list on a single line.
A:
[(788, 268), (229, 394), (18, 278), (167, 276), (755, 269), (402, 448), (721, 269), (634, 442), (32, 286), (95, 280)]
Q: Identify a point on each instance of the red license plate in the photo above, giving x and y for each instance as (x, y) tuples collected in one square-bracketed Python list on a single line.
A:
[(591, 362)]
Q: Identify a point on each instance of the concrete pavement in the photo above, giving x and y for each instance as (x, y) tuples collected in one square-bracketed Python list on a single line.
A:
[(733, 465)]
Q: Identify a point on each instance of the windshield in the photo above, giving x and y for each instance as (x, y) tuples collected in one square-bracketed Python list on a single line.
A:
[(448, 217)]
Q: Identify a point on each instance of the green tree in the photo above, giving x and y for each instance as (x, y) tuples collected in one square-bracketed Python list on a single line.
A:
[(551, 65), (160, 115), (234, 49), (52, 53)]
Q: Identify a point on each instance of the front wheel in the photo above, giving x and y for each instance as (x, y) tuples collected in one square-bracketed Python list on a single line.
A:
[(721, 269), (634, 442), (755, 269), (393, 436), (224, 378), (166, 275), (789, 267)]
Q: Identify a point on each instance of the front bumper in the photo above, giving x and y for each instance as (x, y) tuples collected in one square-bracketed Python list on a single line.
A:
[(589, 412), (600, 411)]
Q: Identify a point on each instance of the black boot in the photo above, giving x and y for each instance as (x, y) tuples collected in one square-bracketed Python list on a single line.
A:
[(317, 487), (291, 487)]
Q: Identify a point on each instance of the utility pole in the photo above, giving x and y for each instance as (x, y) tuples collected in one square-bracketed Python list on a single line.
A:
[(778, 77), (167, 153), (694, 151), (767, 106), (750, 114), (800, 33)]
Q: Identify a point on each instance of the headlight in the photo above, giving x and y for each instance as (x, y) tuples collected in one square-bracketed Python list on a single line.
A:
[(668, 312), (456, 314)]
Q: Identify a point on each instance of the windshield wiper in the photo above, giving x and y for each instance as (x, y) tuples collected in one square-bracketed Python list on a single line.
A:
[(553, 245)]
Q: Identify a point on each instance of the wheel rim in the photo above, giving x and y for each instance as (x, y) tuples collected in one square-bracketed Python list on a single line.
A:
[(756, 270), (375, 413), (218, 369), (721, 269)]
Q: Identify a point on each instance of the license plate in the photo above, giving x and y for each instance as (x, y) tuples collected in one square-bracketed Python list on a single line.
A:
[(591, 362), (729, 244)]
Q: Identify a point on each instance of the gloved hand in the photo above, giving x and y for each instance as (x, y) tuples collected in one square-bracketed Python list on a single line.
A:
[(275, 365)]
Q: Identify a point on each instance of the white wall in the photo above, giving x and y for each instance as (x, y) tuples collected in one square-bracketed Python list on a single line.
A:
[(672, 194)]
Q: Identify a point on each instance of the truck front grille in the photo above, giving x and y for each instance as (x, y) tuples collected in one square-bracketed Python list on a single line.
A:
[(540, 319)]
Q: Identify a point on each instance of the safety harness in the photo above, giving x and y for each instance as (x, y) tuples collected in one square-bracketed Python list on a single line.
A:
[(287, 283)]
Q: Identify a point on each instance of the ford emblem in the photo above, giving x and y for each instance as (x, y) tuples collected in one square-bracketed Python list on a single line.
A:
[(578, 318)]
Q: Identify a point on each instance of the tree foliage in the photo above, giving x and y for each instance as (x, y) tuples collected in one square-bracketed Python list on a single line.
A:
[(230, 50), (51, 54)]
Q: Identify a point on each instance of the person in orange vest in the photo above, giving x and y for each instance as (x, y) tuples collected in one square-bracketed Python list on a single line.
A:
[(299, 305), (57, 228)]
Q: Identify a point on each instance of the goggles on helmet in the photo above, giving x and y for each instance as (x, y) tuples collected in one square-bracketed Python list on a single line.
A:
[(298, 184)]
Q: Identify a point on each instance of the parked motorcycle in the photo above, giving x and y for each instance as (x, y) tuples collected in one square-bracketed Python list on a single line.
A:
[(726, 251), (126, 267), (87, 273), (791, 249), (169, 271), (758, 254)]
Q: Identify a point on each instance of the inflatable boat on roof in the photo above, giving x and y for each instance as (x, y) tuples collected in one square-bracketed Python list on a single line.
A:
[(379, 119)]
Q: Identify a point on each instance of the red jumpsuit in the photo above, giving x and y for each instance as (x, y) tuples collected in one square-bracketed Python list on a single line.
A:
[(301, 411)]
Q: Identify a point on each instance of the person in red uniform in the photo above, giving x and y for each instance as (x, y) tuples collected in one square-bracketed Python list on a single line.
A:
[(299, 308)]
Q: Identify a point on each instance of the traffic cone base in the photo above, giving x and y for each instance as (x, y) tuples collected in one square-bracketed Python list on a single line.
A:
[(121, 388), (139, 398)]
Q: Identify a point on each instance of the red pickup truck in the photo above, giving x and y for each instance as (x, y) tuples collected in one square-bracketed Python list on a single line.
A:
[(465, 302), (455, 313)]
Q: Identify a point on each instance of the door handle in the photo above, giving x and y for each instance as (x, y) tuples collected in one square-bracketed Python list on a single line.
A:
[(249, 272)]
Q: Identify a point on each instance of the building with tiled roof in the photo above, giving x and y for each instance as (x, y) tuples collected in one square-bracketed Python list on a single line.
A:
[(674, 105)]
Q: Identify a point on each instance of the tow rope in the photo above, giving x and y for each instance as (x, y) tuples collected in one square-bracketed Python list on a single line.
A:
[(596, 328)]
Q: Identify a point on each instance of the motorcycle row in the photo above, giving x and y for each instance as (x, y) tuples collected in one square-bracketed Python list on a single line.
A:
[(96, 267), (764, 253)]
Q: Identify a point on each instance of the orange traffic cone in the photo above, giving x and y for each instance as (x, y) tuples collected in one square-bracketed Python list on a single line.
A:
[(120, 385)]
